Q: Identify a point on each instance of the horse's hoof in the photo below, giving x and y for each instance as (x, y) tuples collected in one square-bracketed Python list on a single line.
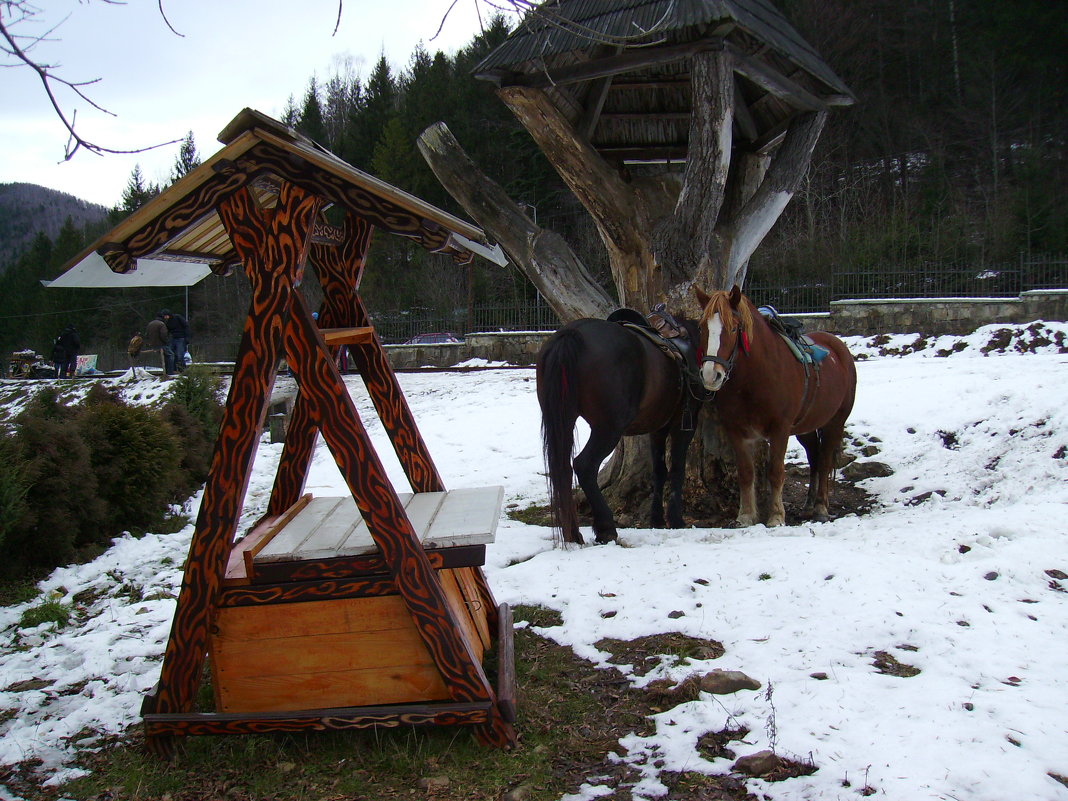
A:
[(606, 538), (821, 518)]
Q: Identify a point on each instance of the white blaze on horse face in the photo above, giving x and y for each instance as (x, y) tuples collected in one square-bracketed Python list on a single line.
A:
[(713, 375)]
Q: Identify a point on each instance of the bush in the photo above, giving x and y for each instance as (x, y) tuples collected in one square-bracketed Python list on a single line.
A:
[(13, 488), (136, 456), (74, 477), (194, 410), (198, 390), (62, 508)]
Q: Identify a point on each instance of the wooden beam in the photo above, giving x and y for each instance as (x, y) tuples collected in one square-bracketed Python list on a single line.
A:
[(773, 81), (645, 115), (672, 152), (363, 717), (592, 112), (359, 335), (742, 118), (628, 61)]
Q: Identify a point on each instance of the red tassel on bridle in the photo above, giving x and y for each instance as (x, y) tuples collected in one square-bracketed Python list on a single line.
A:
[(745, 342)]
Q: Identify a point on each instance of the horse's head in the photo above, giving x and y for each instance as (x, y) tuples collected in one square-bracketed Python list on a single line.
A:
[(725, 327)]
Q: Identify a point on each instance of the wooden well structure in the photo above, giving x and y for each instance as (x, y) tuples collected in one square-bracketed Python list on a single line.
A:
[(330, 613)]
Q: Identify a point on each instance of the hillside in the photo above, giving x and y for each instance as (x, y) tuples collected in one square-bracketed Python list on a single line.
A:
[(26, 209)]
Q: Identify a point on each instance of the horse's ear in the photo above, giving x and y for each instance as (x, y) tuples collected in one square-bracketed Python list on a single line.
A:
[(702, 298), (736, 296)]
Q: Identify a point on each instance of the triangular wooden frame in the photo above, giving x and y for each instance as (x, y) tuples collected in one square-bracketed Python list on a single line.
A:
[(273, 243)]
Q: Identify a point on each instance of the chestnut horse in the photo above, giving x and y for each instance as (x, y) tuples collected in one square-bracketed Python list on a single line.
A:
[(763, 392), (621, 383)]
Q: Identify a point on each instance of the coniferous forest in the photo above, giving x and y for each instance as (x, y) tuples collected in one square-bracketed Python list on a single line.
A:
[(956, 152)]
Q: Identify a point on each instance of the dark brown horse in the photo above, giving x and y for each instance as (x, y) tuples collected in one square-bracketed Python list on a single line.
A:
[(620, 383), (763, 392)]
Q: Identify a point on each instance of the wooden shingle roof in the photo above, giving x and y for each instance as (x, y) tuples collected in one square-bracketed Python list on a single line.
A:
[(620, 69), (181, 224)]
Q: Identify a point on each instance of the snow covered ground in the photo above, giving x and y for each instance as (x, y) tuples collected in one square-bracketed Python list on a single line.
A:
[(960, 573)]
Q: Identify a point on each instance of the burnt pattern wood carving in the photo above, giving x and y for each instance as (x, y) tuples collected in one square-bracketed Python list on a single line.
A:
[(321, 383), (302, 432), (339, 274), (273, 245), (379, 211), (317, 590), (198, 204), (324, 720)]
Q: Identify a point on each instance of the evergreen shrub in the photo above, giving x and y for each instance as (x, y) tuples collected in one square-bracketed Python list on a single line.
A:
[(62, 508), (73, 477), (136, 456), (194, 409)]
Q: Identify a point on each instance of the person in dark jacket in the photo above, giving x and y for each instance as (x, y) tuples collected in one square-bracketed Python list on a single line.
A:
[(157, 337), (178, 328), (65, 352)]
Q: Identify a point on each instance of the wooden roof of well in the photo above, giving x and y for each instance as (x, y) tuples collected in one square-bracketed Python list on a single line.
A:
[(181, 225), (619, 69)]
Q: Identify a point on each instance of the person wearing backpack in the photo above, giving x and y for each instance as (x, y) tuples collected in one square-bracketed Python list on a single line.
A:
[(158, 338), (178, 328), (65, 352)]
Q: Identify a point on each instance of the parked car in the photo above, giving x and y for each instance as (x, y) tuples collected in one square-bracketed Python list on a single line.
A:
[(433, 339)]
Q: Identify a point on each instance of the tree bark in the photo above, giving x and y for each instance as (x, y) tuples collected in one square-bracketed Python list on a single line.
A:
[(612, 203), (543, 256)]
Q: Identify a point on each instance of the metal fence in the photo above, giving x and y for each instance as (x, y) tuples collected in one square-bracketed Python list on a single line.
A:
[(787, 294), (924, 280), (397, 327)]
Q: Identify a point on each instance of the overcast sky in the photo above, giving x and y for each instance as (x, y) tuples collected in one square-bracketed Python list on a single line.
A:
[(231, 54)]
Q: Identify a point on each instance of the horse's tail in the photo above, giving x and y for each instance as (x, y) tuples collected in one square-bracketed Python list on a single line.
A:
[(557, 395)]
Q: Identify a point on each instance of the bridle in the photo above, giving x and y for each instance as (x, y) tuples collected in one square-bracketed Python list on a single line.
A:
[(739, 342)]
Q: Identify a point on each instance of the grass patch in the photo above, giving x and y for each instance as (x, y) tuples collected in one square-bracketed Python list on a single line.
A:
[(47, 612), (17, 591), (646, 653), (887, 664), (571, 718), (533, 515)]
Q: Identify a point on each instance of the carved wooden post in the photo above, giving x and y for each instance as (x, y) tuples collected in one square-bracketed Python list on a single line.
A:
[(273, 245)]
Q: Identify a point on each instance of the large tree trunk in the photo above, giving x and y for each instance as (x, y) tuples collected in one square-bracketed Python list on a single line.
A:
[(663, 236)]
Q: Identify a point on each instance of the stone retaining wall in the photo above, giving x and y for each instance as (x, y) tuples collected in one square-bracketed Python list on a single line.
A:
[(847, 317)]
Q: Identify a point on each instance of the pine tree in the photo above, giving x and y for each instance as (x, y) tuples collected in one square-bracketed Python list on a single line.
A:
[(188, 159), (291, 114), (137, 193), (311, 114)]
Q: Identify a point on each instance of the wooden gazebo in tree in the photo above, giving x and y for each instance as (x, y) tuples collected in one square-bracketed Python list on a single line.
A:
[(331, 613)]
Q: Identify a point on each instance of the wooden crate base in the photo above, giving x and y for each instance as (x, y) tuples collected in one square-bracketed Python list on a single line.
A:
[(334, 653)]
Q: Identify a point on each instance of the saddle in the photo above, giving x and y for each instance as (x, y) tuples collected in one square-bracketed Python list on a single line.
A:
[(664, 331), (804, 349)]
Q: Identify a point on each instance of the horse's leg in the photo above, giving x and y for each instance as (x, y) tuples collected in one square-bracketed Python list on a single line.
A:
[(830, 441), (777, 476), (680, 444), (600, 444), (657, 443), (743, 461), (811, 443)]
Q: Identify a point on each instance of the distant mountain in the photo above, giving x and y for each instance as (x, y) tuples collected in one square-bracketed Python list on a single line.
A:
[(26, 209)]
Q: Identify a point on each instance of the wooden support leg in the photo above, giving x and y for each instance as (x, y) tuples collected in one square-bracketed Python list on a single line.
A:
[(273, 245), (418, 583), (339, 273)]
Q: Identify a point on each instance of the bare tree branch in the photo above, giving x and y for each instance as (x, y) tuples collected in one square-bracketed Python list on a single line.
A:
[(11, 43)]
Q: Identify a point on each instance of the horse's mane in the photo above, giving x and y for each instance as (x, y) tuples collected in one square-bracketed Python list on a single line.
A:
[(720, 302)]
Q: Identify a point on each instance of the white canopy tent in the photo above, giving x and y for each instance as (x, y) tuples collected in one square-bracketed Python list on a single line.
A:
[(92, 272)]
